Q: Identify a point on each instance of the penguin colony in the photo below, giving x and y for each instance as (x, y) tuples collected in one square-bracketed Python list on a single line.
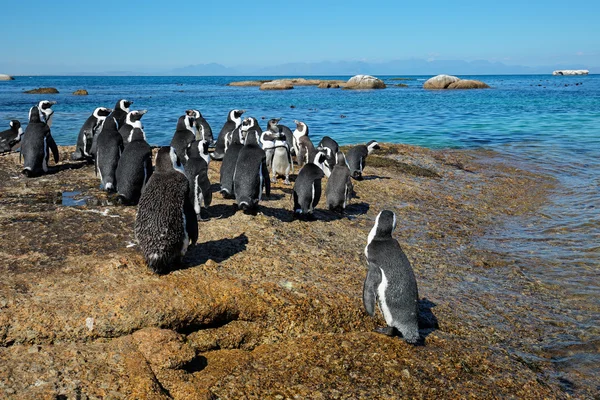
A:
[(172, 194)]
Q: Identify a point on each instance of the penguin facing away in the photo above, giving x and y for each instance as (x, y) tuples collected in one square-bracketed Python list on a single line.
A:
[(134, 168), (228, 164), (10, 137), (109, 147), (132, 120), (120, 111), (307, 187), (356, 157), (331, 148), (166, 224), (234, 120), (185, 134), (390, 281), (203, 129), (251, 174), (339, 187), (91, 127), (196, 170), (303, 146), (36, 145)]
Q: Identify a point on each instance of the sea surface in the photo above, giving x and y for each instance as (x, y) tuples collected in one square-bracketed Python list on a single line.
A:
[(543, 123)]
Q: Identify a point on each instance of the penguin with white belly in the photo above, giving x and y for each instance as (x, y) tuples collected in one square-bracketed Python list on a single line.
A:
[(91, 127), (10, 137), (331, 148), (303, 146)]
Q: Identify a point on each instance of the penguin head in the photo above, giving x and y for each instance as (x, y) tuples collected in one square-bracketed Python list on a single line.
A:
[(272, 124), (136, 134), (124, 105), (45, 110), (385, 223), (301, 127), (193, 113), (320, 158), (34, 115), (110, 123), (15, 124), (236, 116), (167, 160), (45, 105), (248, 124), (102, 112), (372, 145), (340, 159), (203, 147), (135, 116), (252, 138)]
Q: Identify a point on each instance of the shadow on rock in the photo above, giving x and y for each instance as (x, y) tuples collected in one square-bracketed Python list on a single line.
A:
[(427, 320), (63, 167), (217, 250)]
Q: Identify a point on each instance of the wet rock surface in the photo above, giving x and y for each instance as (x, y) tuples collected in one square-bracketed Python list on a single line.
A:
[(48, 90), (266, 306)]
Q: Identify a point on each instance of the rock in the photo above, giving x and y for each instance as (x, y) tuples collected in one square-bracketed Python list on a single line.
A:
[(247, 83), (364, 82), (401, 85), (571, 72), (440, 82), (277, 85), (328, 85), (468, 84), (164, 348), (4, 77), (81, 92), (290, 81), (48, 90)]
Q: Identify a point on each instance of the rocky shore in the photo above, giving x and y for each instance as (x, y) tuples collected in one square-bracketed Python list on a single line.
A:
[(266, 306)]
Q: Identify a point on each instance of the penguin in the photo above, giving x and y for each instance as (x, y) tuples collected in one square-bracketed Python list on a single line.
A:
[(289, 137), (184, 135), (91, 127), (303, 146), (120, 111), (132, 120), (46, 111), (357, 157), (331, 148), (203, 129), (307, 187), (165, 223), (251, 174), (268, 137), (234, 120), (10, 137), (36, 144), (391, 281), (249, 124), (339, 187), (134, 168), (196, 170), (281, 160), (109, 147), (229, 163)]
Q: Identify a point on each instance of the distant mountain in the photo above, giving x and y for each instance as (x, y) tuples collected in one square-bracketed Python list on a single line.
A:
[(205, 69)]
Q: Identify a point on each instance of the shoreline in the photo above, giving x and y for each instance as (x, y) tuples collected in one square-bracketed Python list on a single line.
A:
[(253, 307)]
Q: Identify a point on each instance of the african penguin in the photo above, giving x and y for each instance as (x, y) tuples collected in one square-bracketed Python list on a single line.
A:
[(132, 120), (134, 168), (46, 111), (203, 129), (289, 137), (357, 157), (109, 147), (391, 281), (268, 137), (229, 162), (196, 170), (234, 120), (184, 135), (166, 224), (91, 127), (10, 137), (339, 187), (331, 148), (36, 144), (307, 187), (120, 111), (281, 159), (303, 146), (251, 174)]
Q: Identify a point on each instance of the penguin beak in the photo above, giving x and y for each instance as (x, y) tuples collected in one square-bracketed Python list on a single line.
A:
[(52, 102), (277, 120), (143, 112), (242, 111)]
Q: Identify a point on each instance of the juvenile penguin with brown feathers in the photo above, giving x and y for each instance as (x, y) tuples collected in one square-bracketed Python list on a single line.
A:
[(166, 223)]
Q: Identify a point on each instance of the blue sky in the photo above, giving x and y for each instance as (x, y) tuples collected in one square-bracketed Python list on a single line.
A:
[(152, 35)]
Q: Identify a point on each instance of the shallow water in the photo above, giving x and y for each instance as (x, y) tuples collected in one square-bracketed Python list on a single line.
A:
[(545, 124)]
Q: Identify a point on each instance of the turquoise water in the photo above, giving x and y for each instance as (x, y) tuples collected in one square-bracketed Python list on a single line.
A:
[(543, 123)]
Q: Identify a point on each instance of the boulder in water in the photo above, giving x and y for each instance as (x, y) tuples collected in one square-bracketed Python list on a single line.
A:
[(440, 82), (48, 90), (4, 77), (364, 82)]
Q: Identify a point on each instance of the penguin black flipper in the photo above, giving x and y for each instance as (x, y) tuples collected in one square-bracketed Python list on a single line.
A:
[(266, 179), (147, 169), (191, 220), (370, 289), (52, 146)]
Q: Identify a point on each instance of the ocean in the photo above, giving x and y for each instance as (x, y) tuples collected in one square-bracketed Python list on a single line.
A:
[(543, 123)]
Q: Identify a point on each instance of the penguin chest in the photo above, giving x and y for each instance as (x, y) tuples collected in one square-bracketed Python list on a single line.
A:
[(381, 290), (281, 162)]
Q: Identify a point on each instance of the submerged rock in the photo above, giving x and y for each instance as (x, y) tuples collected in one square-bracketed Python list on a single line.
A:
[(48, 90), (81, 92), (468, 84), (364, 82)]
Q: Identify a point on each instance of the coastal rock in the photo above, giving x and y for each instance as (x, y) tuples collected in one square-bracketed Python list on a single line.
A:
[(290, 81), (468, 84), (571, 72), (440, 82), (364, 82), (4, 77), (248, 83), (81, 92), (277, 85), (48, 90), (328, 85)]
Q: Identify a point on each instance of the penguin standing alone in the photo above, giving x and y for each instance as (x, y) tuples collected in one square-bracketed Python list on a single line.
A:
[(339, 185), (109, 147), (357, 158), (251, 174), (196, 170), (36, 144), (134, 168), (10, 137), (391, 281), (132, 120), (307, 187), (234, 120), (165, 223), (91, 127)]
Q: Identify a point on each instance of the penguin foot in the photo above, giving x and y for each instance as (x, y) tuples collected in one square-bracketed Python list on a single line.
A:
[(287, 182), (386, 330)]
